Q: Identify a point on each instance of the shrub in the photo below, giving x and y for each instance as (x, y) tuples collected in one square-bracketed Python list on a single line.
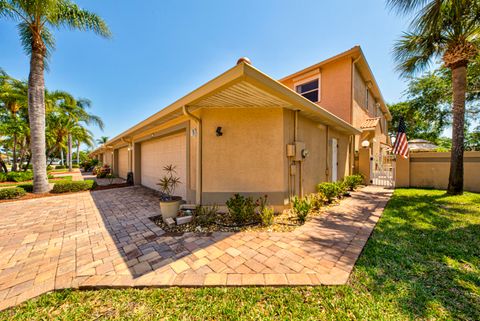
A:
[(3, 177), (267, 214), (103, 171), (19, 176), (241, 209), (342, 188), (29, 166), (73, 186), (60, 167), (301, 208), (329, 190), (75, 166), (205, 215), (49, 167), (317, 200), (89, 164), (352, 182), (11, 192), (27, 187)]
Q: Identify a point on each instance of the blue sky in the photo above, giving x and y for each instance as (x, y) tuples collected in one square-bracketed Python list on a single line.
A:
[(161, 50)]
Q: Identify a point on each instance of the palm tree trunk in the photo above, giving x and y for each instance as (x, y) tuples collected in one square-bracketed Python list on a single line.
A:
[(459, 83), (14, 164), (36, 115), (69, 152), (61, 156), (78, 153)]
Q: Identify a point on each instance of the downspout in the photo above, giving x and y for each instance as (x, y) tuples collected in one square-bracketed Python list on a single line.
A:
[(295, 137), (351, 159), (198, 189)]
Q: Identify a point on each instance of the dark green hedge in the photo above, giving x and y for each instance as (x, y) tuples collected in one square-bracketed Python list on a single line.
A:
[(74, 186), (11, 192)]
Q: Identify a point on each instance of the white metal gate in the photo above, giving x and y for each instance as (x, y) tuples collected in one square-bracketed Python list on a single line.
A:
[(382, 168)]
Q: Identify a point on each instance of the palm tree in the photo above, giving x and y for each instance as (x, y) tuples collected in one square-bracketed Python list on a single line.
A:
[(35, 18), (13, 98), (450, 30), (102, 140)]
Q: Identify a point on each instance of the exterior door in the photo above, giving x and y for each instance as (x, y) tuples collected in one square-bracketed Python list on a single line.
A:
[(334, 160), (157, 153)]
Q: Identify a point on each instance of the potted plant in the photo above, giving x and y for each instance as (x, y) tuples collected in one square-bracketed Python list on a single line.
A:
[(169, 204)]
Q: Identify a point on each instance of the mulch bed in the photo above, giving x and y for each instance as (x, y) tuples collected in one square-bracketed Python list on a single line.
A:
[(285, 221)]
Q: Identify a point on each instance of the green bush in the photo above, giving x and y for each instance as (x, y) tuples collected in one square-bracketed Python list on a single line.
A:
[(60, 167), (205, 215), (241, 209), (267, 214), (3, 177), (342, 188), (29, 166), (73, 186), (11, 192), (75, 166), (301, 208), (19, 176), (49, 167), (317, 200), (329, 190), (27, 187), (352, 182)]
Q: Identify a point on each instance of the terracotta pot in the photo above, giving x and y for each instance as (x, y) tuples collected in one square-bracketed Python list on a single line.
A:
[(169, 209)]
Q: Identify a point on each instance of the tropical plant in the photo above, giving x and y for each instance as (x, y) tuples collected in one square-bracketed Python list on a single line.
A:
[(329, 190), (241, 209), (450, 30), (35, 19), (205, 215), (169, 182), (11, 193), (267, 215), (301, 208)]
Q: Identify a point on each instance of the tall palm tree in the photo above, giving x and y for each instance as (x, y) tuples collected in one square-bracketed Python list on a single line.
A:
[(448, 30), (35, 18), (102, 140)]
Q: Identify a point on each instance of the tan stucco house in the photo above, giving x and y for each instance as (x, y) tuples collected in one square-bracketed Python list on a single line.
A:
[(245, 132)]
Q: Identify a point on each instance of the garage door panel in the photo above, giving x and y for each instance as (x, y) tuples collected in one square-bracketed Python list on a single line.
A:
[(161, 152), (123, 162)]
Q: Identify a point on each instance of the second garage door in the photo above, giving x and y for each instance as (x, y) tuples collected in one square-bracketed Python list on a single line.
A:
[(157, 153), (123, 162)]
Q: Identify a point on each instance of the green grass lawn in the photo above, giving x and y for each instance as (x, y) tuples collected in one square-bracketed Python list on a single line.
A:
[(422, 262)]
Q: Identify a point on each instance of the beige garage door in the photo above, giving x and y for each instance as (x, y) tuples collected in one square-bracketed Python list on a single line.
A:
[(123, 162), (164, 151)]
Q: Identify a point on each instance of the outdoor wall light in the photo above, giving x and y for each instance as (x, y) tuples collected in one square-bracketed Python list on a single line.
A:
[(218, 131), (365, 144)]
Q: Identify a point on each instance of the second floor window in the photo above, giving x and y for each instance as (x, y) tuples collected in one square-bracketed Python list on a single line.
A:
[(309, 90)]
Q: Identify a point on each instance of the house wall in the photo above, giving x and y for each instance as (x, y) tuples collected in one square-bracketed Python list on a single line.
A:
[(108, 158), (248, 158), (335, 87), (431, 170), (315, 165)]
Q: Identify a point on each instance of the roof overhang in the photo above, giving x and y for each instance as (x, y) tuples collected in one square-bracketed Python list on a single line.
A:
[(242, 86), (357, 55)]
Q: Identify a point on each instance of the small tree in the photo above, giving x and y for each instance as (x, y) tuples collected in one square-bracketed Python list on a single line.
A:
[(169, 182)]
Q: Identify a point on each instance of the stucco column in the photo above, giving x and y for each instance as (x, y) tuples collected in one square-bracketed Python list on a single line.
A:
[(115, 162), (364, 164), (402, 172), (136, 166)]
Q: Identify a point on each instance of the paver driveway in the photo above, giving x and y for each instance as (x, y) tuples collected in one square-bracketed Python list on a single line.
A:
[(105, 239)]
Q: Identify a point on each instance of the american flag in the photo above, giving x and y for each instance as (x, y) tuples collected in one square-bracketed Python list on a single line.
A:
[(401, 145)]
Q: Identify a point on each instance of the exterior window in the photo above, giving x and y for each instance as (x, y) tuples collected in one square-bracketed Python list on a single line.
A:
[(309, 90)]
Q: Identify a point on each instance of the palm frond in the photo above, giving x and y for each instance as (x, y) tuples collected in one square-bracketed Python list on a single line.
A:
[(70, 15), (407, 6), (414, 53)]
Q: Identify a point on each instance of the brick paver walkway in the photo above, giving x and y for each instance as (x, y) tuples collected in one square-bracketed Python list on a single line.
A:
[(105, 239)]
